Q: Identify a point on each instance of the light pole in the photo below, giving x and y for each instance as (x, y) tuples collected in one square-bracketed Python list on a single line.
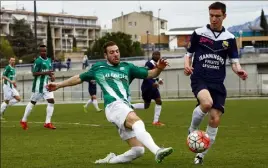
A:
[(148, 33), (241, 35), (159, 28), (66, 36)]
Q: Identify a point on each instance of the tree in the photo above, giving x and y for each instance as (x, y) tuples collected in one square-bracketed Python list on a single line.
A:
[(50, 51), (6, 50), (22, 40), (123, 41), (74, 44), (263, 23)]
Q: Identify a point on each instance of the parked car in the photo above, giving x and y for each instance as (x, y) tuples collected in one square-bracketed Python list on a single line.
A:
[(248, 49)]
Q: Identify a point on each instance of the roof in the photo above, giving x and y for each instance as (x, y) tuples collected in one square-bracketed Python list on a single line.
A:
[(184, 29), (148, 13), (47, 14), (181, 31)]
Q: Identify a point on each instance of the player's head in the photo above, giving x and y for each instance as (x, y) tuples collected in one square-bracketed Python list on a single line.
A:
[(217, 13), (156, 56), (43, 51), (12, 61), (111, 52)]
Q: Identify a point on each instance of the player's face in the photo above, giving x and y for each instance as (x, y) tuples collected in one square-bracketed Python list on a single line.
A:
[(43, 52), (216, 18), (156, 57), (12, 61), (113, 54)]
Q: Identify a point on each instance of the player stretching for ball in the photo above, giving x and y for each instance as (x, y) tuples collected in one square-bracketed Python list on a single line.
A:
[(113, 77), (150, 91), (210, 46), (42, 71), (11, 95), (92, 90)]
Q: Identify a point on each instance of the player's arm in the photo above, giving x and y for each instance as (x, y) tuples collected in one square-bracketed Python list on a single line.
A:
[(150, 81), (188, 69), (5, 74), (234, 60), (6, 78), (160, 66), (75, 80)]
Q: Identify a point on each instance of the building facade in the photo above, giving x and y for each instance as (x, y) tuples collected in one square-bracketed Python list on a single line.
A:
[(63, 28), (139, 25)]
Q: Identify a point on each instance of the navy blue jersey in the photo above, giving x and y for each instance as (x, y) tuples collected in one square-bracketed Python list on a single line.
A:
[(210, 50), (148, 83)]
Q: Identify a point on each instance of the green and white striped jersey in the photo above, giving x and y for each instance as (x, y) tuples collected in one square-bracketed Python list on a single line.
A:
[(39, 82), (10, 73), (114, 80)]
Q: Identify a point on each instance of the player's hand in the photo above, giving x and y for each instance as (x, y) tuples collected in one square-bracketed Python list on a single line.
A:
[(188, 70), (52, 78), (52, 86), (51, 73), (160, 81), (242, 74), (161, 64), (15, 85), (155, 85)]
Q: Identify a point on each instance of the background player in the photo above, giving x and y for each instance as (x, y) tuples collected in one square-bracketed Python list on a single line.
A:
[(11, 95), (92, 89), (210, 46), (150, 90), (42, 71)]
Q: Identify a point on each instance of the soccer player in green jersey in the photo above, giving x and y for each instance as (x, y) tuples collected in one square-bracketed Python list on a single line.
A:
[(113, 77), (11, 95), (42, 71)]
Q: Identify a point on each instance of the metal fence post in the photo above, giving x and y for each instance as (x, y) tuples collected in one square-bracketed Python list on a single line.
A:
[(23, 88), (63, 90)]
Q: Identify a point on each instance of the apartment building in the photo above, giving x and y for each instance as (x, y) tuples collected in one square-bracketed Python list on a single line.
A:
[(63, 28), (139, 24)]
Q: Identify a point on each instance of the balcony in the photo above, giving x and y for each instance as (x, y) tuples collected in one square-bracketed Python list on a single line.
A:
[(80, 36), (41, 34)]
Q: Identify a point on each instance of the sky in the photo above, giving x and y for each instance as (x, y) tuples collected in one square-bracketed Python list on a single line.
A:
[(179, 14)]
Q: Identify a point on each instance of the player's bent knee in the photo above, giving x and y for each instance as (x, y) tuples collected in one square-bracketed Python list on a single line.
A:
[(146, 105), (206, 106), (131, 119), (139, 151)]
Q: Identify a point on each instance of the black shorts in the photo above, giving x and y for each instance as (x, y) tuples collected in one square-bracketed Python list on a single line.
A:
[(216, 90), (92, 88), (149, 94)]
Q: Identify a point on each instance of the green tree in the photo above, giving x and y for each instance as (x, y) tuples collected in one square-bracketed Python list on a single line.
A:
[(124, 42), (74, 44), (263, 23), (22, 40), (6, 50), (50, 51)]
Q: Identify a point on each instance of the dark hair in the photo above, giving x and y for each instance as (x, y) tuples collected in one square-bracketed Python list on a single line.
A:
[(42, 45), (108, 44), (156, 53), (218, 5)]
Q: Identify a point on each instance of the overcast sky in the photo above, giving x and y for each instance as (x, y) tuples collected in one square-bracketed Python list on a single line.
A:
[(177, 13)]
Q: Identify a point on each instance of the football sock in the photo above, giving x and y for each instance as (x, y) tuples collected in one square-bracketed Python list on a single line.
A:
[(197, 117), (132, 154), (157, 112), (212, 133), (144, 137), (138, 105), (50, 109), (27, 112)]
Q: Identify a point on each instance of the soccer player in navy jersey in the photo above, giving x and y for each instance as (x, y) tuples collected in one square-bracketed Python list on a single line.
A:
[(210, 46), (150, 91), (92, 90)]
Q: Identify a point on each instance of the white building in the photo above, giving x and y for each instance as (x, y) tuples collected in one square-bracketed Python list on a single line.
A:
[(63, 28)]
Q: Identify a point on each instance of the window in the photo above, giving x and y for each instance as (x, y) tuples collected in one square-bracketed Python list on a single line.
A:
[(135, 23), (135, 36), (129, 23)]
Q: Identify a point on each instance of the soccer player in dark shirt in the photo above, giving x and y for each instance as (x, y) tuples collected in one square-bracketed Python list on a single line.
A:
[(209, 47)]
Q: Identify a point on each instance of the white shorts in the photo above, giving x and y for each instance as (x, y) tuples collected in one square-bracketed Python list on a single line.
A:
[(9, 93), (46, 95), (116, 113)]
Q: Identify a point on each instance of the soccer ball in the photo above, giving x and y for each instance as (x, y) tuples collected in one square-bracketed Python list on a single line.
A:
[(198, 141)]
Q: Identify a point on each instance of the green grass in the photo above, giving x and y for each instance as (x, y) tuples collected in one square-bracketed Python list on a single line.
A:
[(242, 140)]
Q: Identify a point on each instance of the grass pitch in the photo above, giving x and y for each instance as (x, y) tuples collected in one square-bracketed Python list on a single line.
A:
[(81, 138)]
